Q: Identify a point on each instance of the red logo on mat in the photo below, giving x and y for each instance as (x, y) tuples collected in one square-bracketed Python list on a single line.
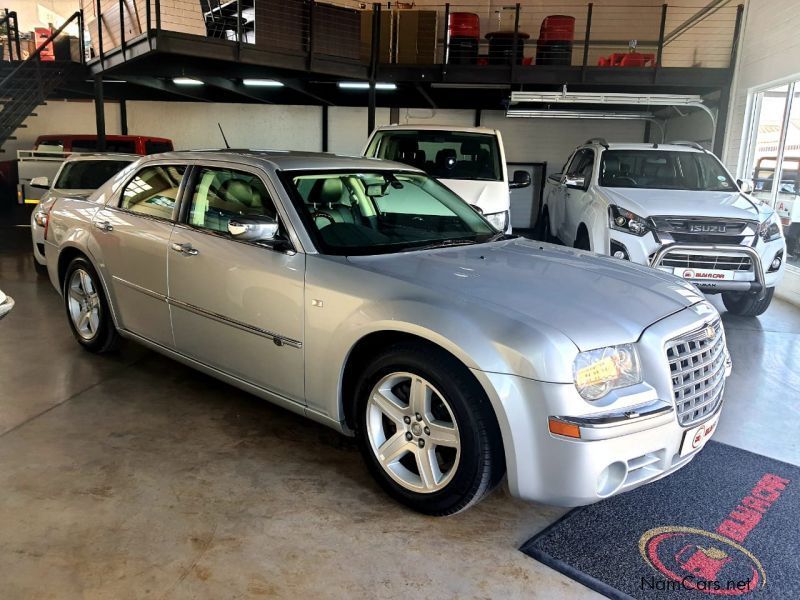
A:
[(715, 563)]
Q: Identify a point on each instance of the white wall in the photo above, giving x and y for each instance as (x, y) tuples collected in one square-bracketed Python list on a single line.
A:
[(769, 53)]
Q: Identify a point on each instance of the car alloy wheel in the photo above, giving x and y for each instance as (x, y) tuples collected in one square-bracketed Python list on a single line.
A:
[(412, 432), (83, 303)]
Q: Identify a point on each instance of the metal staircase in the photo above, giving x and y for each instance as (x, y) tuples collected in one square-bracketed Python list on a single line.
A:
[(26, 84)]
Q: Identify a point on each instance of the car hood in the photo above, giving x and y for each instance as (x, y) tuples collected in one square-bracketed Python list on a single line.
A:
[(489, 196), (594, 300), (684, 203)]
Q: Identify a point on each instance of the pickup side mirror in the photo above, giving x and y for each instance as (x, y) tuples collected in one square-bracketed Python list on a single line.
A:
[(521, 179), (40, 182), (577, 182), (253, 229), (745, 186)]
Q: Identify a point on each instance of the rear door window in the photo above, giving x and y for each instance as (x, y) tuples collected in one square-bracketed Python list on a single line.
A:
[(153, 191)]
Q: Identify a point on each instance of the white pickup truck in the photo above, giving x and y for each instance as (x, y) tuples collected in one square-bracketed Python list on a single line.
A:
[(674, 207)]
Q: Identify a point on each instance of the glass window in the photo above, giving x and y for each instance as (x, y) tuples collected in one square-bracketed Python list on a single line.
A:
[(122, 146), (664, 170), (50, 146), (151, 147), (153, 191), (383, 211), (442, 154), (582, 164), (88, 174), (222, 194)]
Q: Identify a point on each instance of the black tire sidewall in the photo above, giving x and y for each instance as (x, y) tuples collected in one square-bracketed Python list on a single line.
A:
[(747, 304), (465, 403), (105, 332)]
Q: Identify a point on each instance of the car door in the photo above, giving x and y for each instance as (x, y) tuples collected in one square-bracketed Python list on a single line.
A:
[(132, 232), (577, 194), (236, 306), (559, 207)]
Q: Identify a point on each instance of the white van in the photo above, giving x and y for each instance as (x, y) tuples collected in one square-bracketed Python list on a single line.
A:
[(469, 160)]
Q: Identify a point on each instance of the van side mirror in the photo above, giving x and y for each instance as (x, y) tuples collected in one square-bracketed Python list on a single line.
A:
[(253, 229), (521, 179), (577, 182), (745, 186), (40, 182)]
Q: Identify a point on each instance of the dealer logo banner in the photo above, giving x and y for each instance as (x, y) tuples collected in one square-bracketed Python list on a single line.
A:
[(717, 562)]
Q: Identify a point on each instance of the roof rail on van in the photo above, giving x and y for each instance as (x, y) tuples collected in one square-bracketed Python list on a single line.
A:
[(597, 140)]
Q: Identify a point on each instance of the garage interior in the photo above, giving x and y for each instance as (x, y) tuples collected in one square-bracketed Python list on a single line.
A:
[(129, 475)]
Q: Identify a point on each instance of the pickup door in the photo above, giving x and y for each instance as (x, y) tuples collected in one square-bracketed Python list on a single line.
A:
[(572, 198)]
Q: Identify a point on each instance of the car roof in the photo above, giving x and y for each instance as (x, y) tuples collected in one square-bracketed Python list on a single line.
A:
[(78, 156), (483, 130), (632, 146), (283, 160)]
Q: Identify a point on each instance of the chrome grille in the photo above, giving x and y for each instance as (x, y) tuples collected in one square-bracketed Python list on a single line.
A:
[(704, 261), (697, 366)]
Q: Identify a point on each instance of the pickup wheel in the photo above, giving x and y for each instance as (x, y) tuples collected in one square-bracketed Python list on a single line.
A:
[(545, 234), (582, 240), (747, 304), (427, 430), (87, 308)]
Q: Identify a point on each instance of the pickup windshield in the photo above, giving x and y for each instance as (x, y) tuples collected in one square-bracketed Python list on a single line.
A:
[(441, 154), (379, 212), (664, 170), (88, 174)]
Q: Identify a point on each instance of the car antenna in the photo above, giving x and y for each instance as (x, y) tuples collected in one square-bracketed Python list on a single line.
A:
[(224, 139)]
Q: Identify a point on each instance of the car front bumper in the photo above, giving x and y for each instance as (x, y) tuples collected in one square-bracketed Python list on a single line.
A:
[(628, 439)]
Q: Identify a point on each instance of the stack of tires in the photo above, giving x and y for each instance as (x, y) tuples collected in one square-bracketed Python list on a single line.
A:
[(556, 36), (464, 32)]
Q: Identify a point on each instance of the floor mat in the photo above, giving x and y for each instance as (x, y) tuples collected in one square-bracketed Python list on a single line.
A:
[(726, 525)]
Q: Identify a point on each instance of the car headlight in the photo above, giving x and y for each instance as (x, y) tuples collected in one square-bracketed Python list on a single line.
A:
[(771, 229), (597, 372), (40, 216), (624, 220), (498, 220)]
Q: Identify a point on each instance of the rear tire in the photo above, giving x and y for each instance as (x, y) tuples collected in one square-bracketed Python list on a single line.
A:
[(88, 312), (424, 406), (747, 304)]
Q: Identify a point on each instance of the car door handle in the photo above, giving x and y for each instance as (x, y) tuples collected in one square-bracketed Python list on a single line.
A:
[(185, 249), (104, 226)]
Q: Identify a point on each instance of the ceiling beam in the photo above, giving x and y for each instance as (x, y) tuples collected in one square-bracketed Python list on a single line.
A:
[(240, 90), (193, 93)]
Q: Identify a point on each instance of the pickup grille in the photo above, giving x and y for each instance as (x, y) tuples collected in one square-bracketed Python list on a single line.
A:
[(704, 230), (703, 261), (697, 367)]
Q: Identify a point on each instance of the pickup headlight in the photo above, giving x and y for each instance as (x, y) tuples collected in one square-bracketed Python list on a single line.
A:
[(624, 220), (597, 372), (770, 229), (498, 220)]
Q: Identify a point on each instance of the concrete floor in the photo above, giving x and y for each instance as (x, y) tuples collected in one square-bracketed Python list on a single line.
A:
[(131, 476)]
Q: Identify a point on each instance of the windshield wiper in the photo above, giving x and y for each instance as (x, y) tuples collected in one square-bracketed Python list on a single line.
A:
[(441, 244)]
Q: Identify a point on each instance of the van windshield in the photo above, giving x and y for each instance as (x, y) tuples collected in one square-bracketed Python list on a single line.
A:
[(442, 154), (664, 170)]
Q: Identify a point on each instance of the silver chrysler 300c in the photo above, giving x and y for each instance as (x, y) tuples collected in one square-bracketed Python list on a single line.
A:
[(367, 296)]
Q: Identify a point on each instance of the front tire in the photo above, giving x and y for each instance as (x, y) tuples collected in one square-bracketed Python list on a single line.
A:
[(87, 308), (747, 304), (427, 430)]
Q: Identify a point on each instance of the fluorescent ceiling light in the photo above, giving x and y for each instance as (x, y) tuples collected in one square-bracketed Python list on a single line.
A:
[(364, 85), (602, 98), (567, 114), (262, 83), (186, 81)]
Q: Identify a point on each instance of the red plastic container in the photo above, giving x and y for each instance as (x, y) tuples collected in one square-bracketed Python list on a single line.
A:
[(464, 24), (557, 28)]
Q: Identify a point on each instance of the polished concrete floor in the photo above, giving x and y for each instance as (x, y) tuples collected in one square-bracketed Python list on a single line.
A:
[(131, 476)]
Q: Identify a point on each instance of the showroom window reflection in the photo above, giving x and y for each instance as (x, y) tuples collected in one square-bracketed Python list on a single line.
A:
[(773, 154)]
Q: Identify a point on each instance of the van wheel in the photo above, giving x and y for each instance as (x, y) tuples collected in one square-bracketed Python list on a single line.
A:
[(747, 304), (87, 308), (427, 430)]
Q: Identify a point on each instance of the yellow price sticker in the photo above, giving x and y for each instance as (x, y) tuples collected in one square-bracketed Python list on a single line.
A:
[(602, 370)]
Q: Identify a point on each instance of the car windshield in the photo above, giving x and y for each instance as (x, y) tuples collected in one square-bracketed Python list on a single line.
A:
[(378, 212), (442, 154), (88, 174), (664, 170)]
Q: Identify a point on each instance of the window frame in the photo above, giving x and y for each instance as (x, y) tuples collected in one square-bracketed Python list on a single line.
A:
[(115, 201)]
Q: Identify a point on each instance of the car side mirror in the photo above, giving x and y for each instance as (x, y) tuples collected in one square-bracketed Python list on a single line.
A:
[(253, 229), (521, 179), (577, 182), (40, 182), (745, 186)]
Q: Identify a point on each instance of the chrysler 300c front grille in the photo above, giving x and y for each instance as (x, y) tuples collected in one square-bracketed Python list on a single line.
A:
[(697, 366)]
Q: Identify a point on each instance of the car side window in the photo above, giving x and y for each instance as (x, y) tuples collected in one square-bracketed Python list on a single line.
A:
[(153, 191), (222, 194), (581, 164)]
